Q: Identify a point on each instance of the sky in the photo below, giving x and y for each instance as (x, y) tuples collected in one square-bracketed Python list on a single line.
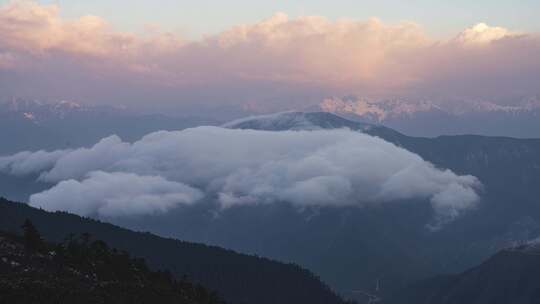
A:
[(198, 18), (267, 55)]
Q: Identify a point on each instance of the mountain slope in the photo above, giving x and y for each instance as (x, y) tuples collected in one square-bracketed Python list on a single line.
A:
[(238, 278), (82, 271), (482, 156), (509, 277), (296, 121), (509, 169), (310, 121)]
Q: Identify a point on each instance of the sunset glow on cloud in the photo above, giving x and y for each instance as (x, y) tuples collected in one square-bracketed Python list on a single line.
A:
[(250, 62)]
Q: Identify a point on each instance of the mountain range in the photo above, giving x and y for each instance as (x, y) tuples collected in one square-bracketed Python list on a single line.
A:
[(27, 124), (447, 117), (373, 251), (508, 168), (33, 124), (510, 276)]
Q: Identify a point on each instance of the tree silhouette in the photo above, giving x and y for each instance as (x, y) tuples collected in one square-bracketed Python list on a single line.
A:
[(33, 241), (238, 278)]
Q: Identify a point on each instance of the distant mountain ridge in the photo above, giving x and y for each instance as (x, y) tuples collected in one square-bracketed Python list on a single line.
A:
[(453, 117), (297, 121), (310, 121), (39, 111), (36, 125), (508, 277)]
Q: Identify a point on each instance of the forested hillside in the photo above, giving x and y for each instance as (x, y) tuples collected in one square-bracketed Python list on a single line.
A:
[(83, 270), (509, 277), (236, 277)]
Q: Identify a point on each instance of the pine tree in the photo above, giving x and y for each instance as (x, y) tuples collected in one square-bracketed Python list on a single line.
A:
[(32, 239)]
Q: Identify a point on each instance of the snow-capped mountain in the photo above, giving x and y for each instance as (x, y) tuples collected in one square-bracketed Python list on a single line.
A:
[(34, 125), (508, 168), (449, 117), (294, 121), (375, 111), (297, 121), (38, 111)]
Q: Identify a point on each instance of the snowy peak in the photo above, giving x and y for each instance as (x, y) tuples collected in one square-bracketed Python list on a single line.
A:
[(297, 121), (450, 116), (38, 111), (274, 122), (376, 111), (386, 109), (22, 105), (67, 105)]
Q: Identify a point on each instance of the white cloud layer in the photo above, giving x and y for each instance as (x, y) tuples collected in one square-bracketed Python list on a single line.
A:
[(116, 194), (237, 167), (483, 34), (24, 163)]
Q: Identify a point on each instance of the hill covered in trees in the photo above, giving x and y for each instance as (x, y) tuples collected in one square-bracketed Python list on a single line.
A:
[(236, 277), (83, 270), (509, 277)]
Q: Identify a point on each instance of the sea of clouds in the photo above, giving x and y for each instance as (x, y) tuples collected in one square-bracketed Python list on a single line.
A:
[(164, 170)]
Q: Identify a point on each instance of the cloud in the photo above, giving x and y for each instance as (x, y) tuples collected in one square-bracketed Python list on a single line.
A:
[(116, 194), (482, 34), (316, 50), (38, 29), (24, 163), (239, 167), (277, 63)]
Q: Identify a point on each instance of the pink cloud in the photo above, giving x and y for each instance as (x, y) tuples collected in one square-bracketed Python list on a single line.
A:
[(38, 29), (273, 59)]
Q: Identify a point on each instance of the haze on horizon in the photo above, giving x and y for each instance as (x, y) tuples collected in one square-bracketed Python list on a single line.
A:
[(268, 57)]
